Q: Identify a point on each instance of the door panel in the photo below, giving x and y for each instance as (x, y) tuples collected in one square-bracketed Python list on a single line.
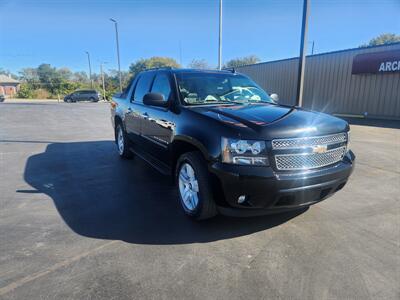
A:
[(79, 96), (157, 122), (157, 129), (135, 111), (85, 96), (133, 122), (75, 96)]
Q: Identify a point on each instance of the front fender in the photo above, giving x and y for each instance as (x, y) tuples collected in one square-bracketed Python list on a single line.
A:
[(208, 144)]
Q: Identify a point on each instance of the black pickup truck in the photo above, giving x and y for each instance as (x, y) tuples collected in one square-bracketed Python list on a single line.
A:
[(230, 147)]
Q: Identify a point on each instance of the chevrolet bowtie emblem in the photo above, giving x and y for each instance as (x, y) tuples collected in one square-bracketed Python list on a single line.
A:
[(320, 149)]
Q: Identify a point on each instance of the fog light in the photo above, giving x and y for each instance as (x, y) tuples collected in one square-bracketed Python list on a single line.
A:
[(241, 199)]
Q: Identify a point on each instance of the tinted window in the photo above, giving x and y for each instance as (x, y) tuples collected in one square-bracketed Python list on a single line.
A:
[(209, 88), (143, 86), (86, 92), (161, 85)]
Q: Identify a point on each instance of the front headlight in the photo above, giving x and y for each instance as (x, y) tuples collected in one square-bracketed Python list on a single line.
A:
[(244, 152)]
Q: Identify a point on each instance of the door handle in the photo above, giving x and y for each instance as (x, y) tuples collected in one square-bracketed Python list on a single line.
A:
[(145, 115)]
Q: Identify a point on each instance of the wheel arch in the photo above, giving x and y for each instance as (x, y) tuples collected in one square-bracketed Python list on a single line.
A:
[(117, 120), (183, 144)]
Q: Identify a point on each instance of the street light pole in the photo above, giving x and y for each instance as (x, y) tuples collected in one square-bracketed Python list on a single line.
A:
[(220, 37), (302, 58), (90, 70), (119, 63), (102, 79)]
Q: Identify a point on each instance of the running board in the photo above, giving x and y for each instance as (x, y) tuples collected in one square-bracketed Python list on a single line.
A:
[(154, 162)]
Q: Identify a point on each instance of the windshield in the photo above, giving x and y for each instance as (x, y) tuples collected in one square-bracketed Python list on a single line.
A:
[(215, 88)]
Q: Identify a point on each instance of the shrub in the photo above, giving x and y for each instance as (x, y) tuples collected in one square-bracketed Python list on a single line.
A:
[(26, 91), (41, 94)]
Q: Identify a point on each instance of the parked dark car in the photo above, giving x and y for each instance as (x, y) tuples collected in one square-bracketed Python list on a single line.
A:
[(2, 98), (229, 146), (83, 95)]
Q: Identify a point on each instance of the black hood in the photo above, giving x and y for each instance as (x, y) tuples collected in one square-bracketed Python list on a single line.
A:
[(275, 121)]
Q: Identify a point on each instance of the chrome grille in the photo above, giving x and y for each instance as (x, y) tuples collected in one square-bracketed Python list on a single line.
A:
[(303, 161), (309, 141)]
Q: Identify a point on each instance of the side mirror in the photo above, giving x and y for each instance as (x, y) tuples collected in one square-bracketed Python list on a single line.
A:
[(154, 99), (274, 97)]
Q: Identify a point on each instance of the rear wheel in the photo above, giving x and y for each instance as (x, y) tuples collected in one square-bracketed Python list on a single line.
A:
[(194, 188), (122, 142)]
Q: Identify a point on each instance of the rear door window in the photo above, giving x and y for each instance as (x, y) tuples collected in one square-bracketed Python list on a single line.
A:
[(143, 86)]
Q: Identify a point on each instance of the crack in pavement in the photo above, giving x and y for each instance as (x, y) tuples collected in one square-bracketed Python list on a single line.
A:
[(27, 279)]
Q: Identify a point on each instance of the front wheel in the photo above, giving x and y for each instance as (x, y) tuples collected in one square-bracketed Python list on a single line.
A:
[(194, 187), (122, 142)]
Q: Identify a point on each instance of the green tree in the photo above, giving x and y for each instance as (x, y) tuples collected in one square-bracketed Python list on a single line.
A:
[(30, 76), (65, 73), (111, 81), (383, 39), (26, 91), (80, 77), (242, 61), (199, 64), (49, 78), (152, 62)]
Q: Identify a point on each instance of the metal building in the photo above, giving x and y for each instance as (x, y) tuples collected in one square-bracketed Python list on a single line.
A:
[(360, 81)]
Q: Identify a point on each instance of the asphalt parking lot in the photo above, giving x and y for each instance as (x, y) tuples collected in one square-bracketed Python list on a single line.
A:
[(78, 222)]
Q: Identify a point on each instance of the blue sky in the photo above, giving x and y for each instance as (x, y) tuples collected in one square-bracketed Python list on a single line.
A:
[(60, 31)]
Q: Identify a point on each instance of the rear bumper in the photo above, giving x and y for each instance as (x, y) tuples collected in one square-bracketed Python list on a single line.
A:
[(268, 191)]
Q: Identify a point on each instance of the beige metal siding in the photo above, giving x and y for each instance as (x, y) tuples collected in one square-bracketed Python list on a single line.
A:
[(329, 85)]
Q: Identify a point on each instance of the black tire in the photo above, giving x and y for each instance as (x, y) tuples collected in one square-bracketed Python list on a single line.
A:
[(93, 99), (206, 207), (124, 152)]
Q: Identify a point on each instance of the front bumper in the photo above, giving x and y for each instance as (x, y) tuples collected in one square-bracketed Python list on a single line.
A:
[(268, 191)]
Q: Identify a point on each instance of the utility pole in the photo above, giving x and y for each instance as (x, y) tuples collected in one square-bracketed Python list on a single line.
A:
[(90, 70), (102, 79), (220, 37), (302, 58), (312, 48), (119, 63)]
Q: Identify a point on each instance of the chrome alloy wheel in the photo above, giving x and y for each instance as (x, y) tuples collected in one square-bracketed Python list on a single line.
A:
[(120, 140), (188, 187)]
